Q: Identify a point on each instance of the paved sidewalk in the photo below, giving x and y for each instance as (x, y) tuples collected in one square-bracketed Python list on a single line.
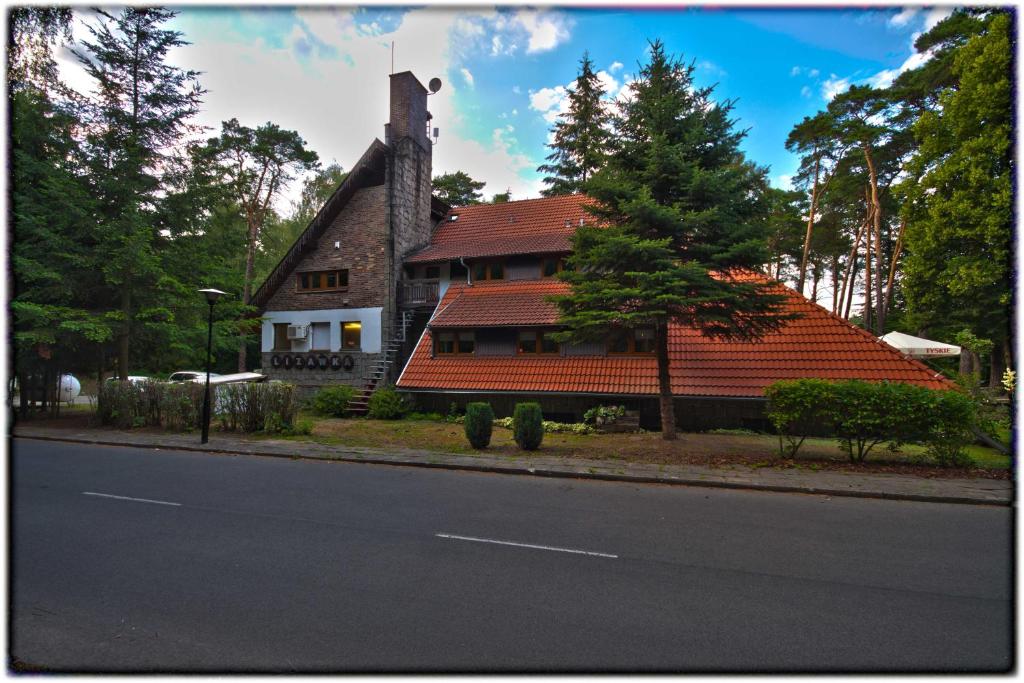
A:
[(832, 483)]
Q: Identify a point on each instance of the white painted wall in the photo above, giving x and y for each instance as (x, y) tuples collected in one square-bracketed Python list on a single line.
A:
[(369, 339)]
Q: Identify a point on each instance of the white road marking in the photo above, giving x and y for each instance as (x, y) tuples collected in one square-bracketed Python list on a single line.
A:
[(526, 545), (136, 500)]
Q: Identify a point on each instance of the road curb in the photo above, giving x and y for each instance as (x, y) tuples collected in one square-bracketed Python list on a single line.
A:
[(546, 472)]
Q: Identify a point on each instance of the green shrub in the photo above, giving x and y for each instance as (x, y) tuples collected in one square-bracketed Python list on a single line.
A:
[(798, 407), (332, 401), (387, 404), (952, 428), (425, 417), (528, 427), (238, 407), (247, 407), (478, 424), (865, 414), (602, 415)]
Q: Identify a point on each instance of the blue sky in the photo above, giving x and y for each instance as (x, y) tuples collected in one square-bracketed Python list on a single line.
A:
[(323, 71)]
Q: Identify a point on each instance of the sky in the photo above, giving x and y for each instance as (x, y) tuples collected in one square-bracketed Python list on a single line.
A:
[(323, 71)]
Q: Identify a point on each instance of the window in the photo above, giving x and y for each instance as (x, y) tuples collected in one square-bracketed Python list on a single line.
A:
[(549, 267), (432, 272), (640, 340), (537, 341), (281, 342), (455, 342), (320, 338), (350, 336), (488, 270), (323, 281)]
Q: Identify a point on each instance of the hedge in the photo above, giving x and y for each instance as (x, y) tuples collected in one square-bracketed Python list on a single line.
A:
[(238, 407), (332, 401), (864, 414)]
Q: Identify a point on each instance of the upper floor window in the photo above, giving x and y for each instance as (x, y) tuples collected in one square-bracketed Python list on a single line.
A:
[(640, 340), (549, 267), (456, 342), (432, 272), (323, 280), (536, 341), (488, 270)]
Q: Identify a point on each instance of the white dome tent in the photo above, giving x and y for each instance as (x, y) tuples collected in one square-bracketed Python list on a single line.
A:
[(917, 347)]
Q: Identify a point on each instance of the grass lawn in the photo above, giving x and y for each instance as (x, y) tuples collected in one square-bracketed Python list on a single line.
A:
[(710, 449)]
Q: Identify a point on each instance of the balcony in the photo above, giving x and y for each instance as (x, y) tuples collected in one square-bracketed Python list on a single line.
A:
[(416, 293)]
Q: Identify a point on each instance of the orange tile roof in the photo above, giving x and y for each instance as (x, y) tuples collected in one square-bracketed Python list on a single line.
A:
[(498, 303), (818, 344), (529, 226)]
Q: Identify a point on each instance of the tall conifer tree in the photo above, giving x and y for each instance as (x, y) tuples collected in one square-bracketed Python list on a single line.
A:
[(581, 138), (141, 111), (685, 224)]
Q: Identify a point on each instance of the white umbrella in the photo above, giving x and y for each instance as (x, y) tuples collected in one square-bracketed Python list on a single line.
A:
[(917, 347)]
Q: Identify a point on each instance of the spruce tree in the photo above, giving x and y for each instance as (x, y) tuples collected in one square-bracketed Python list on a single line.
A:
[(141, 111), (686, 225), (581, 138)]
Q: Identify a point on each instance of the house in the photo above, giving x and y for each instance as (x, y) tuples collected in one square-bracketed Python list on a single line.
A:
[(453, 306)]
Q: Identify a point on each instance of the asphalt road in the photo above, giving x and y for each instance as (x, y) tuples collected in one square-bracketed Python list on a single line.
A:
[(187, 561)]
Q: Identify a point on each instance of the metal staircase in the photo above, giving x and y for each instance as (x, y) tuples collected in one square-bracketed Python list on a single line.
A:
[(360, 403)]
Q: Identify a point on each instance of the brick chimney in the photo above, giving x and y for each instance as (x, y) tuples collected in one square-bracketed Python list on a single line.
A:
[(408, 110), (408, 180)]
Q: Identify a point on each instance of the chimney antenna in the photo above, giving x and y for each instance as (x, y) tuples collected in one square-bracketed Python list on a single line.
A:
[(392, 58)]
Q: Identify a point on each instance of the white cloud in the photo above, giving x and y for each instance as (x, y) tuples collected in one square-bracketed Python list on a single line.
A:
[(546, 30), (935, 15), (834, 86), (904, 17), (608, 82), (467, 76), (795, 71), (515, 112), (805, 91), (517, 90), (615, 66), (784, 181), (813, 73), (497, 44), (550, 102)]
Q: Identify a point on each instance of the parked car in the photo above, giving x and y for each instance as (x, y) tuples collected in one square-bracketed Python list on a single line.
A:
[(191, 376), (134, 379)]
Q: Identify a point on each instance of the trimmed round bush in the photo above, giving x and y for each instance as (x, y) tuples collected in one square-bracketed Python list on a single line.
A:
[(333, 400), (478, 424), (528, 426), (387, 404)]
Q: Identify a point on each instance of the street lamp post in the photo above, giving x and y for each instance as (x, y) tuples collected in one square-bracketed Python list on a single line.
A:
[(211, 298)]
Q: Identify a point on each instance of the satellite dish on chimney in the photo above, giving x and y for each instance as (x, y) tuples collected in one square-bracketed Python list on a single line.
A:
[(434, 85)]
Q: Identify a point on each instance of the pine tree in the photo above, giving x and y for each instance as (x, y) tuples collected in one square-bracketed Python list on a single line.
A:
[(581, 138), (141, 111), (458, 189), (686, 225), (257, 163)]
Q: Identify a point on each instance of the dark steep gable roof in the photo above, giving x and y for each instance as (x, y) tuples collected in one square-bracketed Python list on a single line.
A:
[(367, 172)]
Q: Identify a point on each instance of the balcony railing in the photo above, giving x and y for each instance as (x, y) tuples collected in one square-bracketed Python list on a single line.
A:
[(423, 292)]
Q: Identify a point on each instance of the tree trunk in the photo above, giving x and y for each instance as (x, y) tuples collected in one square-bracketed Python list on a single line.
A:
[(867, 278), (668, 413), (997, 365), (815, 278), (877, 225), (250, 259), (810, 225), (23, 390), (897, 251), (846, 294), (124, 338), (835, 283)]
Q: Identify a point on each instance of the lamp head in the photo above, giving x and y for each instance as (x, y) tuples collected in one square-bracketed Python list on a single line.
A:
[(212, 295)]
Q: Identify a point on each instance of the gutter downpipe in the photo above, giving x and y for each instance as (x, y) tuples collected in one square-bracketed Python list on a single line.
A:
[(469, 282)]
